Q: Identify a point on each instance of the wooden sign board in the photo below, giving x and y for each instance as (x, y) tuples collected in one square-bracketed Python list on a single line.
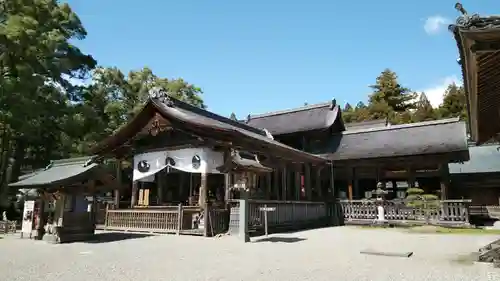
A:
[(28, 216), (267, 209)]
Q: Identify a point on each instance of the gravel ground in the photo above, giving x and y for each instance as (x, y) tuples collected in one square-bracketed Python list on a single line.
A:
[(324, 254)]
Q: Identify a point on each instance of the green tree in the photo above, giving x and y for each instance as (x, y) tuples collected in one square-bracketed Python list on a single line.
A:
[(389, 96), (424, 110), (454, 103), (361, 113), (37, 59), (360, 105), (348, 114), (113, 99)]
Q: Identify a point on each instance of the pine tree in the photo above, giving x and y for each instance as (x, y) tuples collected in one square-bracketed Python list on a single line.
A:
[(233, 117), (348, 113), (454, 103), (388, 93), (360, 105), (424, 110)]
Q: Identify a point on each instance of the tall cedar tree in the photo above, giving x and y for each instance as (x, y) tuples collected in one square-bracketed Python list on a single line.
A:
[(36, 58), (454, 103), (424, 110), (389, 98)]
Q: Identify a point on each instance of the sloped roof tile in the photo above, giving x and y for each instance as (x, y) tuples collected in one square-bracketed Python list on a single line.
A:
[(306, 118), (431, 137)]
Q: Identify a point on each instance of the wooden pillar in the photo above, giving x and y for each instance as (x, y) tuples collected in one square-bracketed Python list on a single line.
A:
[(332, 182), (355, 184), (269, 185), (182, 186), (307, 182), (381, 176), (445, 180), (349, 183), (160, 180), (227, 186), (318, 187), (298, 183), (133, 197), (202, 199), (276, 180), (118, 183), (284, 174), (411, 177)]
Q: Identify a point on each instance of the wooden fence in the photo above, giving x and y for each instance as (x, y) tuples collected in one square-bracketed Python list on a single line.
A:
[(281, 215), (445, 212), (170, 219), (8, 227), (285, 215)]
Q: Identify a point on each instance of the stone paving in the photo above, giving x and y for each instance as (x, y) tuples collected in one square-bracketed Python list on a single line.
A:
[(322, 254)]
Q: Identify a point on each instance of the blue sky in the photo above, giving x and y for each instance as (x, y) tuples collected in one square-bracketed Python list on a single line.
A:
[(259, 56)]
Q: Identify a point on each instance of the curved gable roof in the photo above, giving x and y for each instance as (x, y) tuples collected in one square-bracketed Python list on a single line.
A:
[(58, 172), (478, 42), (307, 118), (205, 124)]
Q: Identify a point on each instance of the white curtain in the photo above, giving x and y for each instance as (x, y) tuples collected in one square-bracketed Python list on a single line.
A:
[(182, 161), (156, 161)]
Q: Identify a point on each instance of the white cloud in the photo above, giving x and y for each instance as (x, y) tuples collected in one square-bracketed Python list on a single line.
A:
[(434, 24), (435, 92)]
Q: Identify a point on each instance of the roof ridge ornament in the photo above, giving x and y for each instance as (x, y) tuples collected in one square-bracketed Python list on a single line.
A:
[(460, 8), (268, 134), (334, 103), (465, 20), (162, 95)]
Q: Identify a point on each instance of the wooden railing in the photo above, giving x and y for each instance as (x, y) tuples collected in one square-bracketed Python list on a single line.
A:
[(445, 212), (161, 221), (220, 219), (7, 227), (169, 219), (217, 221)]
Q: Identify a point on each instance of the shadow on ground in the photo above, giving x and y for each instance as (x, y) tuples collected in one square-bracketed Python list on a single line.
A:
[(280, 240), (108, 237), (466, 259)]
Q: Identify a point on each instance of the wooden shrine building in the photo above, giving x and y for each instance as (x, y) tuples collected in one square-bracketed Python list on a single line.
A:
[(366, 153), (63, 193), (479, 178), (189, 164), (478, 41)]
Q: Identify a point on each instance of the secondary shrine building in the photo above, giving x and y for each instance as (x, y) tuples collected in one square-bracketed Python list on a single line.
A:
[(366, 153)]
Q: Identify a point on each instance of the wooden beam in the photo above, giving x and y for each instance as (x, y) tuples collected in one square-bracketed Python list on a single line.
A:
[(403, 161), (485, 47)]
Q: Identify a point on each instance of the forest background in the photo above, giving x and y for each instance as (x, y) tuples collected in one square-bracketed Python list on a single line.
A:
[(45, 115)]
